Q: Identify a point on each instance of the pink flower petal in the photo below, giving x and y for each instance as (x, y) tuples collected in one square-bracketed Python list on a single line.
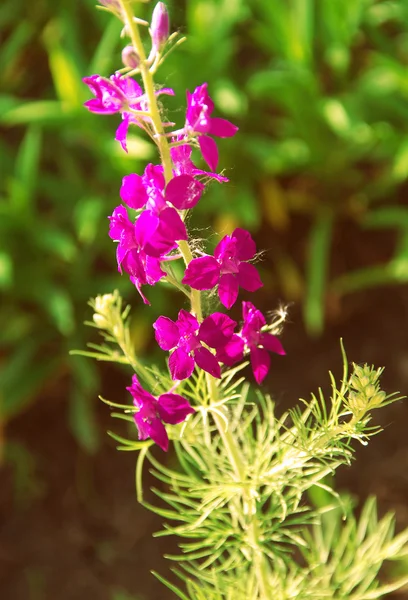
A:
[(272, 343), (167, 91), (248, 277), (222, 128), (158, 433), (207, 361), (119, 223), (133, 264), (216, 330), (232, 352), (145, 227), (260, 362), (171, 227), (133, 192), (166, 333), (154, 272), (122, 131), (209, 151), (222, 247), (157, 234), (187, 323), (181, 364), (252, 316), (202, 273), (245, 245), (142, 426), (154, 429), (183, 191), (173, 408), (153, 179), (228, 290), (140, 395), (120, 255)]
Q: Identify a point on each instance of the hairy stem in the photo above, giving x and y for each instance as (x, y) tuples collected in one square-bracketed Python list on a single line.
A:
[(148, 84), (248, 508)]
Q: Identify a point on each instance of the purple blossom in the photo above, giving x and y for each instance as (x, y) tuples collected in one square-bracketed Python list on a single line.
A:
[(228, 268), (132, 259), (130, 57), (159, 226), (153, 412), (253, 340), (185, 338), (160, 26), (200, 124), (183, 165), (120, 94)]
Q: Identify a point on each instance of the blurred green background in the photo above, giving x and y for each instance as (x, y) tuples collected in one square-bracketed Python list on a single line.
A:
[(319, 89)]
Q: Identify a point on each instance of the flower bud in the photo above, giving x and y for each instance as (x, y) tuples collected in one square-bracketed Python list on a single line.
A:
[(100, 321), (370, 390), (104, 303), (377, 400), (113, 6), (160, 26), (130, 57)]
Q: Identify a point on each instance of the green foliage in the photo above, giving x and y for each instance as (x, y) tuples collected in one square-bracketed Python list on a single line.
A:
[(237, 496), (57, 170), (319, 90)]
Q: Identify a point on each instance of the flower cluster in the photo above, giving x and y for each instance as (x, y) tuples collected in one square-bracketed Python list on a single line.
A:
[(149, 228)]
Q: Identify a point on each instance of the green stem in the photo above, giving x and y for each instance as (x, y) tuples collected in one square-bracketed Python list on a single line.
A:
[(127, 348), (148, 84), (249, 506), (229, 442)]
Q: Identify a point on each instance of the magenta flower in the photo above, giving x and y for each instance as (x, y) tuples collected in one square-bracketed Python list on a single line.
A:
[(185, 338), (160, 26), (132, 259), (183, 165), (160, 226), (253, 340), (120, 94), (227, 268), (153, 412), (200, 124)]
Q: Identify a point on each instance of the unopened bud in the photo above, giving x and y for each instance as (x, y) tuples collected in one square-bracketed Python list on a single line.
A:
[(160, 25), (130, 57), (113, 6), (356, 403), (103, 303), (100, 321), (370, 391), (377, 400)]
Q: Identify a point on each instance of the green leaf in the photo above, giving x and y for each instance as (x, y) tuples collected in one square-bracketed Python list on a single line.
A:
[(82, 421), (316, 271), (59, 305), (101, 60), (26, 170), (66, 77), (171, 586), (41, 112), (6, 271), (88, 215)]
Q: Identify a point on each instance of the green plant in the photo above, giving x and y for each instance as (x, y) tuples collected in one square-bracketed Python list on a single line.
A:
[(238, 496)]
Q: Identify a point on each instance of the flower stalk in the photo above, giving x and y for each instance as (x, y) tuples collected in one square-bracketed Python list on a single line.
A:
[(238, 495), (148, 84)]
